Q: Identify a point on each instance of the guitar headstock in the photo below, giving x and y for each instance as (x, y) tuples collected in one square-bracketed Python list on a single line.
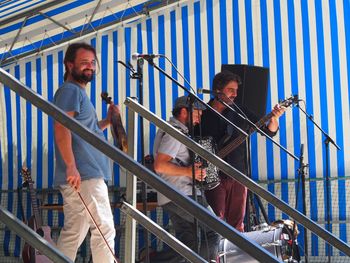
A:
[(27, 178), (105, 98), (289, 101)]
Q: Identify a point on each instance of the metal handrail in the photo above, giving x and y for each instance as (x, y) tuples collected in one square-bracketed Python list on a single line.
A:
[(31, 237), (240, 177), (140, 171)]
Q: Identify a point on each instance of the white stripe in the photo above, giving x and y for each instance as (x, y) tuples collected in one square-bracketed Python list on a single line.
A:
[(315, 87), (344, 82), (230, 34), (205, 53), (273, 80), (168, 49), (257, 39), (242, 32), (217, 36)]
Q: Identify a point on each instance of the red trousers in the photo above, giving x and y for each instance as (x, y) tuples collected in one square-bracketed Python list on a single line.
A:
[(228, 200)]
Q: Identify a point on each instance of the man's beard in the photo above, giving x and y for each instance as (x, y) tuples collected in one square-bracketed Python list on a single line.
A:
[(81, 77)]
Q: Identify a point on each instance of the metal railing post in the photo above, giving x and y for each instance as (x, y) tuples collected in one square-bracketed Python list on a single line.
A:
[(131, 180)]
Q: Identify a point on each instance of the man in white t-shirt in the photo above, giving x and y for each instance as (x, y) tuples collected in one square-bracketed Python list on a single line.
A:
[(173, 163)]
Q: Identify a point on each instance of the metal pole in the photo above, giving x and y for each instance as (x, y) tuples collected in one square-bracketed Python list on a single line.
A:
[(161, 233), (30, 236), (130, 223)]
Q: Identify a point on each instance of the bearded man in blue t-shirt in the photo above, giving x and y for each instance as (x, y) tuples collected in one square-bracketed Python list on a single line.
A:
[(79, 166)]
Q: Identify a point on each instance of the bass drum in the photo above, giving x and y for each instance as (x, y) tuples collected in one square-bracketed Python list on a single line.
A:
[(274, 239)]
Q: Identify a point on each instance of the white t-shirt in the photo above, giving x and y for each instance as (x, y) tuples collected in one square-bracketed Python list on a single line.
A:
[(166, 144)]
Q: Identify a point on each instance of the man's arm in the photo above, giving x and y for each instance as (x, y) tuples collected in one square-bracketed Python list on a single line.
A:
[(163, 164), (63, 139), (273, 123)]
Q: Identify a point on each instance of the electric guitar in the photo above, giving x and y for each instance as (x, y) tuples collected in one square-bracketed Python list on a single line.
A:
[(227, 149), (30, 254), (117, 127), (212, 178)]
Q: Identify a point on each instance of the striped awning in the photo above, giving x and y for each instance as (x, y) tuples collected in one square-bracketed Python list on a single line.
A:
[(29, 27)]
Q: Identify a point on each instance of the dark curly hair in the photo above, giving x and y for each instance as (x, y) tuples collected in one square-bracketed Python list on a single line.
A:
[(223, 78), (72, 52)]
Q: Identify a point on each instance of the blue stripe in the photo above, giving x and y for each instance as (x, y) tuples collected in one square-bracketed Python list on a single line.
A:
[(223, 32), (323, 102), (310, 126), (269, 150), (28, 83), (173, 52), (60, 67), (10, 162), (237, 43), (40, 18), (249, 31), (280, 85), (338, 115), (116, 99), (93, 82), (152, 102), (211, 45), (139, 50), (14, 6), (185, 46), (162, 84), (198, 43), (104, 72), (67, 34), (39, 175)]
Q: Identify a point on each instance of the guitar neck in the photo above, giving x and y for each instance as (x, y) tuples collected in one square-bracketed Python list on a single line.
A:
[(241, 138), (37, 217)]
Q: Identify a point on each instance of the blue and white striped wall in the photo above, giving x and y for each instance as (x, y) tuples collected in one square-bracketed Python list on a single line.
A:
[(305, 45)]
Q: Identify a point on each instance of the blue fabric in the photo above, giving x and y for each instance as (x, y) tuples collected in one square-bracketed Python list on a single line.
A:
[(91, 163)]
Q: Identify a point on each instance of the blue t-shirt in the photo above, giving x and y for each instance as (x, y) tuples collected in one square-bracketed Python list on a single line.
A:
[(91, 163)]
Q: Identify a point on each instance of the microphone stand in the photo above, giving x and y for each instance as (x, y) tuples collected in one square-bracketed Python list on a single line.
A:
[(139, 76), (327, 140), (301, 175)]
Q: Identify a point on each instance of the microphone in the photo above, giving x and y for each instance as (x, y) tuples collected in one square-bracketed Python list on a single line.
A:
[(136, 56), (208, 91)]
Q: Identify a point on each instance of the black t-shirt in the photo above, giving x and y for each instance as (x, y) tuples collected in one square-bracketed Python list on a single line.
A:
[(223, 133)]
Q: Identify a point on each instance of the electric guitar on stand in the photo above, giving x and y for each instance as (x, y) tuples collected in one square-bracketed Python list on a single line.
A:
[(30, 254)]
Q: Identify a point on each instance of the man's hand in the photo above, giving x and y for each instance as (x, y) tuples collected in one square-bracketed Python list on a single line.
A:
[(199, 173), (276, 113), (73, 177)]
